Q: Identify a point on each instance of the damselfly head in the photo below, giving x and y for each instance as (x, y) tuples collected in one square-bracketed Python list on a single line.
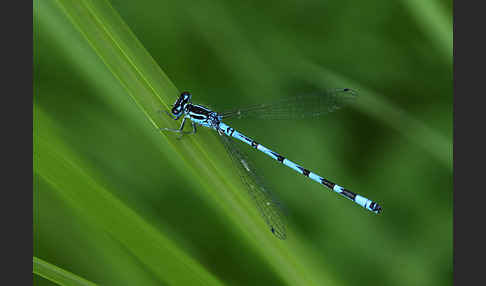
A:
[(180, 104)]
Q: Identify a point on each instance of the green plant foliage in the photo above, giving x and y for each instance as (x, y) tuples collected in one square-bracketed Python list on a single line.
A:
[(117, 202), (56, 274)]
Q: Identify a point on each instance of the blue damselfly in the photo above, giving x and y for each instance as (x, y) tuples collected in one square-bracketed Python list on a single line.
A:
[(303, 106)]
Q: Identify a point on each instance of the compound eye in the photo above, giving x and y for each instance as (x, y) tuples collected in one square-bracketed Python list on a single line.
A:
[(186, 96)]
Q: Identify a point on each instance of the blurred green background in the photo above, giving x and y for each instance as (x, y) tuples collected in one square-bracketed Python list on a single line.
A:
[(118, 203)]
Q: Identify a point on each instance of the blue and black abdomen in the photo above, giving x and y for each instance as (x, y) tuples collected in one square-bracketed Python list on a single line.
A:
[(360, 200)]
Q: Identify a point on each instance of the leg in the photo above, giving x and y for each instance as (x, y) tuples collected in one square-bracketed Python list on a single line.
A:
[(193, 128), (180, 130), (187, 132), (175, 130), (168, 113)]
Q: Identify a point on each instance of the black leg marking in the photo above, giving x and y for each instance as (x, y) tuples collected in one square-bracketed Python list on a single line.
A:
[(327, 183), (348, 194)]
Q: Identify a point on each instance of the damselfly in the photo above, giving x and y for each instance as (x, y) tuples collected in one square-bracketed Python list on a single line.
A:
[(303, 106)]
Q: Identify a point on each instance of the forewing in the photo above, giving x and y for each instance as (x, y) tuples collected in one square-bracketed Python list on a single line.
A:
[(300, 106)]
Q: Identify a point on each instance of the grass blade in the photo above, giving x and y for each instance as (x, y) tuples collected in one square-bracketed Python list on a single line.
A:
[(82, 191), (150, 88), (58, 275)]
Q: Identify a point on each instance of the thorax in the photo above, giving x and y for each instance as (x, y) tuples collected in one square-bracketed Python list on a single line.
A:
[(202, 115)]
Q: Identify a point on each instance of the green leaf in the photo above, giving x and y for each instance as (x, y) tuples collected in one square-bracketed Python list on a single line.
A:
[(152, 91), (58, 275), (119, 202), (83, 192)]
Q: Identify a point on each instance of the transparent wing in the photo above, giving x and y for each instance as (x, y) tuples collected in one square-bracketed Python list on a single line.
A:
[(269, 207), (301, 106)]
